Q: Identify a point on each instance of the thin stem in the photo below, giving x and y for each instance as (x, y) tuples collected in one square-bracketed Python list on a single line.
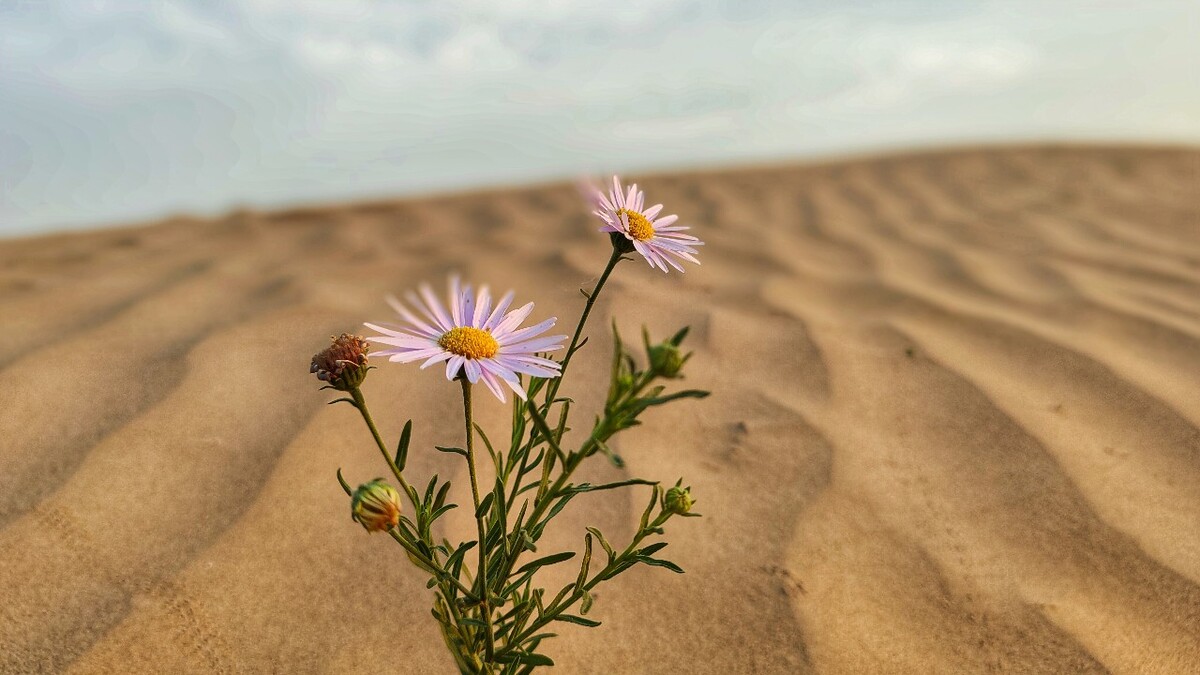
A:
[(441, 575), (577, 594), (485, 601), (552, 388), (361, 403)]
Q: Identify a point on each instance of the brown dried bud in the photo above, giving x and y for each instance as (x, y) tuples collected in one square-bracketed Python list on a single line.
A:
[(344, 363)]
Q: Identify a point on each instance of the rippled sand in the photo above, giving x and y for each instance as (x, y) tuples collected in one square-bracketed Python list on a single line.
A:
[(954, 428)]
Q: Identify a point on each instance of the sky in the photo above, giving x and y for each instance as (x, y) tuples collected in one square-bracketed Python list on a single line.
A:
[(113, 111)]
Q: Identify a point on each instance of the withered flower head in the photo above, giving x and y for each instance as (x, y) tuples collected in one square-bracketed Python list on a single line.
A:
[(376, 506), (342, 364)]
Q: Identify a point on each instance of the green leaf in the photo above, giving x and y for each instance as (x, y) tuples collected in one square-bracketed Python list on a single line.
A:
[(412, 495), (547, 560), (588, 487), (345, 485), (491, 451), (660, 563), (586, 605), (456, 558), (621, 567), (540, 423), (571, 618), (677, 338), (456, 451), (527, 659), (603, 542), (554, 510), (541, 636), (652, 548), (659, 400), (428, 500), (441, 495), (501, 510), (441, 512), (484, 505), (649, 509), (587, 560), (526, 468), (402, 447)]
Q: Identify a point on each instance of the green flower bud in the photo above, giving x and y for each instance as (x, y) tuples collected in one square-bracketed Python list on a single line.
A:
[(376, 506), (666, 360), (342, 364), (678, 500)]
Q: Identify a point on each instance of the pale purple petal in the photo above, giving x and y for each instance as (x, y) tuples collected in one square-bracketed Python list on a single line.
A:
[(511, 321), (492, 383), (482, 306), (412, 318), (526, 333), (454, 365), (497, 313), (542, 344), (436, 358), (473, 370)]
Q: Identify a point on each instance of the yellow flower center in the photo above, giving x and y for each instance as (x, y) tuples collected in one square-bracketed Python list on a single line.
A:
[(472, 343), (639, 226)]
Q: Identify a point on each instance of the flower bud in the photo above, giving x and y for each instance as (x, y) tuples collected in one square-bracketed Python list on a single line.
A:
[(678, 500), (376, 506), (666, 360), (342, 364)]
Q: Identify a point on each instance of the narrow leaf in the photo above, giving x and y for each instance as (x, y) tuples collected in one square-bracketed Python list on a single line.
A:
[(484, 505), (588, 487), (456, 451), (428, 500), (402, 447), (654, 562), (547, 560), (603, 542), (571, 618)]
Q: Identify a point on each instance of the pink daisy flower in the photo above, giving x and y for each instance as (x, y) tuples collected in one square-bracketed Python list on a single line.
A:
[(657, 238), (473, 338)]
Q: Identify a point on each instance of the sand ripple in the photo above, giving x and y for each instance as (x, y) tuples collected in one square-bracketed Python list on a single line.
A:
[(956, 426)]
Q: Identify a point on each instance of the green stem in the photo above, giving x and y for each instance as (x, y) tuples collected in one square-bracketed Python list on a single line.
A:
[(361, 403), (577, 594), (552, 388), (485, 601), (441, 574)]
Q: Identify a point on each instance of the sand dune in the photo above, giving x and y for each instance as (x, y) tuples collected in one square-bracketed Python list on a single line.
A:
[(955, 429)]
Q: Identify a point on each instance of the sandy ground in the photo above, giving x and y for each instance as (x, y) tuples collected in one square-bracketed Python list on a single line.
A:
[(954, 428)]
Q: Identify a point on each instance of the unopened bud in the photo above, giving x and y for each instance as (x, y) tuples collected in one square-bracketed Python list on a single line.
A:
[(342, 364), (376, 506), (678, 500), (666, 360)]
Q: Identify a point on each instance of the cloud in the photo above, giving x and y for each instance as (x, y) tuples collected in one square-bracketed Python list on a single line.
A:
[(135, 108)]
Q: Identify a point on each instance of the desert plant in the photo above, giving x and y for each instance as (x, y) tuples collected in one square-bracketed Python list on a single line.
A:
[(492, 612)]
